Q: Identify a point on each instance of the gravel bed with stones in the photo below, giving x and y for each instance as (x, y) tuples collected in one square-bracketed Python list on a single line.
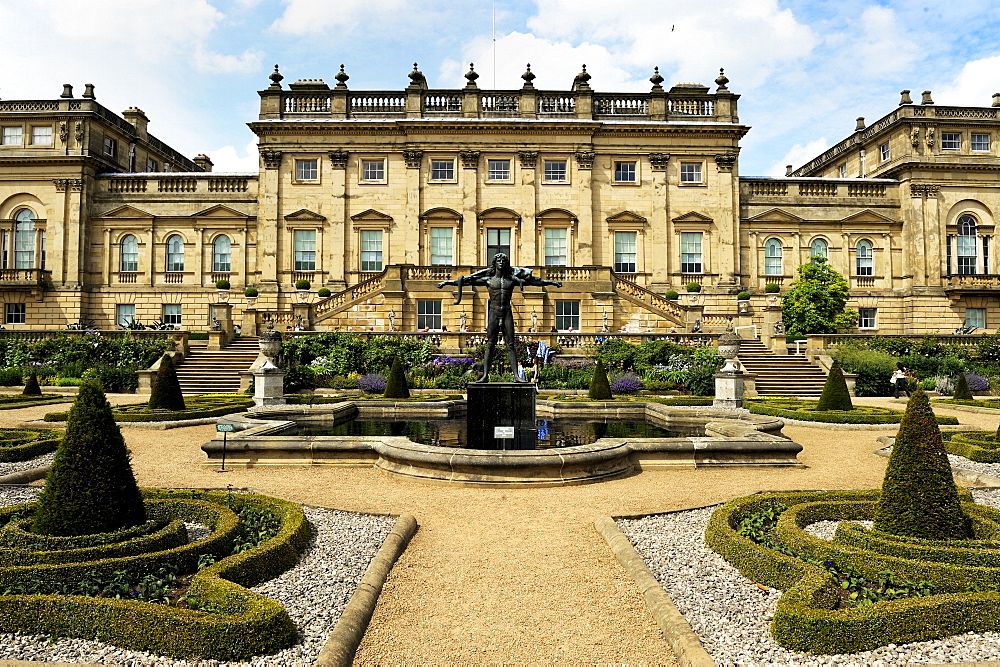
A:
[(314, 592), (732, 614), (20, 466), (992, 469)]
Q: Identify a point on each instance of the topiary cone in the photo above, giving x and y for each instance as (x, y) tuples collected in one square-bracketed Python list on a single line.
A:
[(600, 388), (395, 386), (31, 387), (90, 487), (166, 391), (962, 391), (919, 497), (835, 394)]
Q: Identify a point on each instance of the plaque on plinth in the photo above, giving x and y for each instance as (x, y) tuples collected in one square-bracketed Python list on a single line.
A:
[(501, 415)]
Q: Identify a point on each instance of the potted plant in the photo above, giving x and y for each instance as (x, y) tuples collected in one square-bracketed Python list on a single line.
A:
[(693, 295), (743, 301), (222, 286), (323, 292), (771, 290), (251, 295), (671, 295), (302, 285), (693, 288)]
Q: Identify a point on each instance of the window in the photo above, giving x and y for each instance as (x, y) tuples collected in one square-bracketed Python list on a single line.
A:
[(884, 153), (12, 136), (772, 258), (371, 250), (41, 135), (152, 165), (373, 171), (691, 252), (15, 313), (866, 318), (556, 253), (966, 245), (175, 253), (221, 254), (690, 172), (555, 171), (864, 262), (306, 170), (24, 239), (498, 170), (305, 249), (625, 172), (124, 314), (843, 170), (951, 141), (568, 315), (497, 241), (172, 313), (818, 248), (442, 170), (429, 314), (975, 317), (625, 243), (441, 246), (129, 261), (980, 142), (111, 147)]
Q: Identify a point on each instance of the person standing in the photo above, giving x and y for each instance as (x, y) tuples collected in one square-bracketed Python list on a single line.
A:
[(900, 377)]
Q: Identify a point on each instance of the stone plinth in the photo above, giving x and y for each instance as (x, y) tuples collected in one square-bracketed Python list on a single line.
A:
[(501, 405), (728, 390), (269, 387)]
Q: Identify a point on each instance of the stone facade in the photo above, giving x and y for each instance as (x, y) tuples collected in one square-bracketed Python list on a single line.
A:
[(378, 196)]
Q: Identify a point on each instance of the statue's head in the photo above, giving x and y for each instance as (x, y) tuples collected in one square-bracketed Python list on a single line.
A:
[(500, 264)]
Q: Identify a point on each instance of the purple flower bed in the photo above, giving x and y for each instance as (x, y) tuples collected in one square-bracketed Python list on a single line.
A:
[(977, 382), (574, 364), (461, 362), (629, 383), (374, 383)]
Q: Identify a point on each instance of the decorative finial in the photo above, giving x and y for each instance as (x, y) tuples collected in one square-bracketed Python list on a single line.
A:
[(417, 77), (581, 79), (275, 78), (528, 77), (904, 97), (656, 80), (471, 76), (341, 78), (722, 80)]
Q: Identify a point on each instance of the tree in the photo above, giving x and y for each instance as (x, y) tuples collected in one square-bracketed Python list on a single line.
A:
[(835, 394), (31, 387), (600, 388), (90, 487), (166, 392), (815, 303), (919, 496), (962, 391), (396, 386)]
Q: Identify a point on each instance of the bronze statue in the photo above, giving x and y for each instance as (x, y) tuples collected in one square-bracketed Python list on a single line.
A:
[(500, 279)]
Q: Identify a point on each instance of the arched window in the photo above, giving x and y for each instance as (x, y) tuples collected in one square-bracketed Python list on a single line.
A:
[(966, 245), (175, 253), (818, 248), (24, 239), (865, 259), (220, 255), (129, 254), (772, 258)]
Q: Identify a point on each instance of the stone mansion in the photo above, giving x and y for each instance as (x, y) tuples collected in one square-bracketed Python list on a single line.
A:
[(379, 195)]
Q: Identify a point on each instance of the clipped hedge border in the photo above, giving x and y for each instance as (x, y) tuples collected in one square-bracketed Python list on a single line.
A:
[(805, 619), (242, 624), (160, 536), (197, 409), (980, 446), (804, 410), (45, 440), (988, 403), (14, 399)]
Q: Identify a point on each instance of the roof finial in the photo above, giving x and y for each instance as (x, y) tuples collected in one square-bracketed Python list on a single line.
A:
[(581, 79), (528, 77), (341, 78), (722, 80), (275, 78), (417, 78), (656, 80), (471, 76)]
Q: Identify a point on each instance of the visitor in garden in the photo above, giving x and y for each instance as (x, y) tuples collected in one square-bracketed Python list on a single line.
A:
[(900, 378)]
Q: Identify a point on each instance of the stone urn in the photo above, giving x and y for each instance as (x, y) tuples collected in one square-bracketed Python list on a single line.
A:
[(303, 295), (223, 295), (270, 343), (729, 347)]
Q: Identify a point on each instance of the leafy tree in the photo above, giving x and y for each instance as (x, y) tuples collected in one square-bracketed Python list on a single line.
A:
[(166, 390), (816, 302), (90, 487), (835, 394), (600, 389)]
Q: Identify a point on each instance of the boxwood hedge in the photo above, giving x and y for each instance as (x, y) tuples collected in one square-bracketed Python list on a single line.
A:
[(965, 574), (198, 407), (981, 446), (21, 444), (805, 410), (241, 623)]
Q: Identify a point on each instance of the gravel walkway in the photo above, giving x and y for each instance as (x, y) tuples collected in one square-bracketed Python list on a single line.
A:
[(314, 592), (19, 466)]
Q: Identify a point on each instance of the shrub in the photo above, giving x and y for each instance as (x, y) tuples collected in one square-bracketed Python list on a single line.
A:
[(31, 387), (671, 295), (222, 284), (772, 288), (693, 287), (835, 395), (396, 386), (302, 284), (873, 369), (298, 378), (962, 392), (706, 362), (617, 354), (166, 391), (976, 382), (90, 487), (626, 383), (816, 302), (919, 497), (928, 384), (599, 390), (373, 383), (11, 377), (250, 292), (743, 296), (323, 292)]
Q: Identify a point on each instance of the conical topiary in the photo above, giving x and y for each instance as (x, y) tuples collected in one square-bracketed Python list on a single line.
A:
[(31, 387), (90, 487), (835, 395), (919, 497), (600, 388), (395, 386), (166, 391), (962, 391)]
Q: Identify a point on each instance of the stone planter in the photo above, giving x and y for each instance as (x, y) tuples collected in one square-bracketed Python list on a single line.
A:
[(773, 299), (743, 306), (251, 300), (223, 295), (303, 295), (694, 298)]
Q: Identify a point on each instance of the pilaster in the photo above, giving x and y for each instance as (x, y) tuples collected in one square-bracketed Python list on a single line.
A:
[(268, 216), (527, 239), (414, 206)]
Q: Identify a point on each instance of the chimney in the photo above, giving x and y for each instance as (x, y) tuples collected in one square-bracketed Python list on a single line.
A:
[(860, 124), (788, 170), (88, 91), (904, 98), (996, 99), (926, 98), (203, 161), (135, 116), (67, 90)]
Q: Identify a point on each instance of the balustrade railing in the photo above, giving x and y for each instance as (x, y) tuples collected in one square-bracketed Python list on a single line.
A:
[(128, 277), (173, 278), (378, 103), (618, 105), (23, 276), (500, 104), (177, 185), (170, 184), (817, 189), (299, 103), (442, 103), (977, 280), (691, 107)]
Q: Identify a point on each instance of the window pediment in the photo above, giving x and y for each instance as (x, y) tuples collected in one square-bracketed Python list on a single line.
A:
[(776, 215), (626, 219), (869, 217), (304, 215), (372, 218), (126, 212), (220, 211)]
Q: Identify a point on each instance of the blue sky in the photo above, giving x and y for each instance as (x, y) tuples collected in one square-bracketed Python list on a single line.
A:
[(805, 69)]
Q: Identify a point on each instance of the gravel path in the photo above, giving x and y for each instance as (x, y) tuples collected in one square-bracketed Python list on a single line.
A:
[(314, 592), (9, 468)]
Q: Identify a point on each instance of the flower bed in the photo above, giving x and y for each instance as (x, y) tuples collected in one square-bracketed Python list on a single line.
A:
[(200, 406), (319, 399), (805, 410), (21, 444)]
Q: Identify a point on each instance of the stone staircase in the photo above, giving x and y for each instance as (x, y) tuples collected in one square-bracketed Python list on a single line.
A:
[(216, 371), (780, 374)]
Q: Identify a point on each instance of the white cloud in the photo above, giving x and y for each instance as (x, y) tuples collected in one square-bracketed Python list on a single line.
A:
[(207, 60), (878, 43), (231, 158), (798, 155), (303, 17), (973, 86)]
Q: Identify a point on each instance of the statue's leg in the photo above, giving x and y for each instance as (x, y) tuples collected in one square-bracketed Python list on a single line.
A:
[(510, 341), (492, 329)]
